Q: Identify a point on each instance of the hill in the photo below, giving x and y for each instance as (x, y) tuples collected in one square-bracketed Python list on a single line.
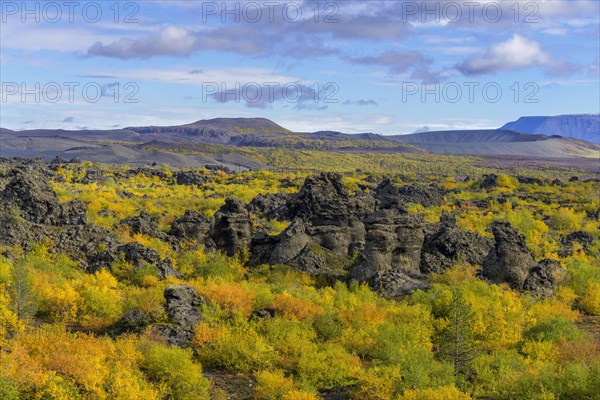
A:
[(578, 126), (499, 142)]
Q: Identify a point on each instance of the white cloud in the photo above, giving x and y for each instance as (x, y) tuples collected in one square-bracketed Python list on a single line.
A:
[(516, 53)]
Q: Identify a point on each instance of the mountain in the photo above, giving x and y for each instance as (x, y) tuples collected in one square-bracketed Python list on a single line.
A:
[(210, 140), (217, 130), (578, 126), (499, 142)]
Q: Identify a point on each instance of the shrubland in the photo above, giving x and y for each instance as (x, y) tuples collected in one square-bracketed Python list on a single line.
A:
[(57, 337)]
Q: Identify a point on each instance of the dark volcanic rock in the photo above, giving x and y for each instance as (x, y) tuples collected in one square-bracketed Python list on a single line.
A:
[(333, 218), (541, 279), (510, 260), (297, 248), (272, 206), (529, 180), (33, 197), (182, 309), (137, 254), (94, 174), (489, 181), (189, 178), (166, 270), (449, 244), (232, 230), (193, 225), (322, 200), (30, 195), (132, 322), (144, 224), (141, 223), (74, 213), (392, 284), (584, 238), (393, 242), (392, 196)]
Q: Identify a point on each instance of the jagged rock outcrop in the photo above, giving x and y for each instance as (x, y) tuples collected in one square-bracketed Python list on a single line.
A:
[(182, 304), (392, 196), (136, 254), (32, 198), (74, 213), (585, 239), (166, 270), (333, 218), (193, 225), (489, 181), (510, 260), (542, 278), (232, 230), (296, 248), (272, 206), (189, 178), (393, 243), (322, 200), (394, 283), (528, 180), (448, 244), (144, 224)]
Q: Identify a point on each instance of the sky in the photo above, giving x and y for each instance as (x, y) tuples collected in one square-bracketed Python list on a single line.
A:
[(389, 67)]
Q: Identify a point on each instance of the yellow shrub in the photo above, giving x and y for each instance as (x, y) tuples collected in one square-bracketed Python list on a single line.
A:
[(378, 383), (61, 303), (295, 308), (590, 302), (272, 385), (441, 393), (229, 295), (544, 351), (299, 395)]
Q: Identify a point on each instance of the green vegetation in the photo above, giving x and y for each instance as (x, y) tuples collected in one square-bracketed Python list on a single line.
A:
[(461, 339)]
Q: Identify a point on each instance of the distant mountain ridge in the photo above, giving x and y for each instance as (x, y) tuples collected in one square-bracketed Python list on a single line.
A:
[(162, 143), (579, 126)]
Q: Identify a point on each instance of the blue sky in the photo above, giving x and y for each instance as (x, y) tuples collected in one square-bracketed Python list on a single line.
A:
[(355, 66)]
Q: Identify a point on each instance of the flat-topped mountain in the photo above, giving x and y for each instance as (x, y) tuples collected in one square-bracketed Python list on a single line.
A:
[(578, 126), (499, 142)]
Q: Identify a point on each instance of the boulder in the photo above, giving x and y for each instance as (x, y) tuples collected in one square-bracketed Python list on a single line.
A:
[(272, 206), (140, 224), (182, 304), (510, 260), (542, 278), (232, 230), (393, 242), (33, 198), (392, 196), (166, 270), (193, 225), (449, 244), (189, 178), (394, 283), (322, 200)]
